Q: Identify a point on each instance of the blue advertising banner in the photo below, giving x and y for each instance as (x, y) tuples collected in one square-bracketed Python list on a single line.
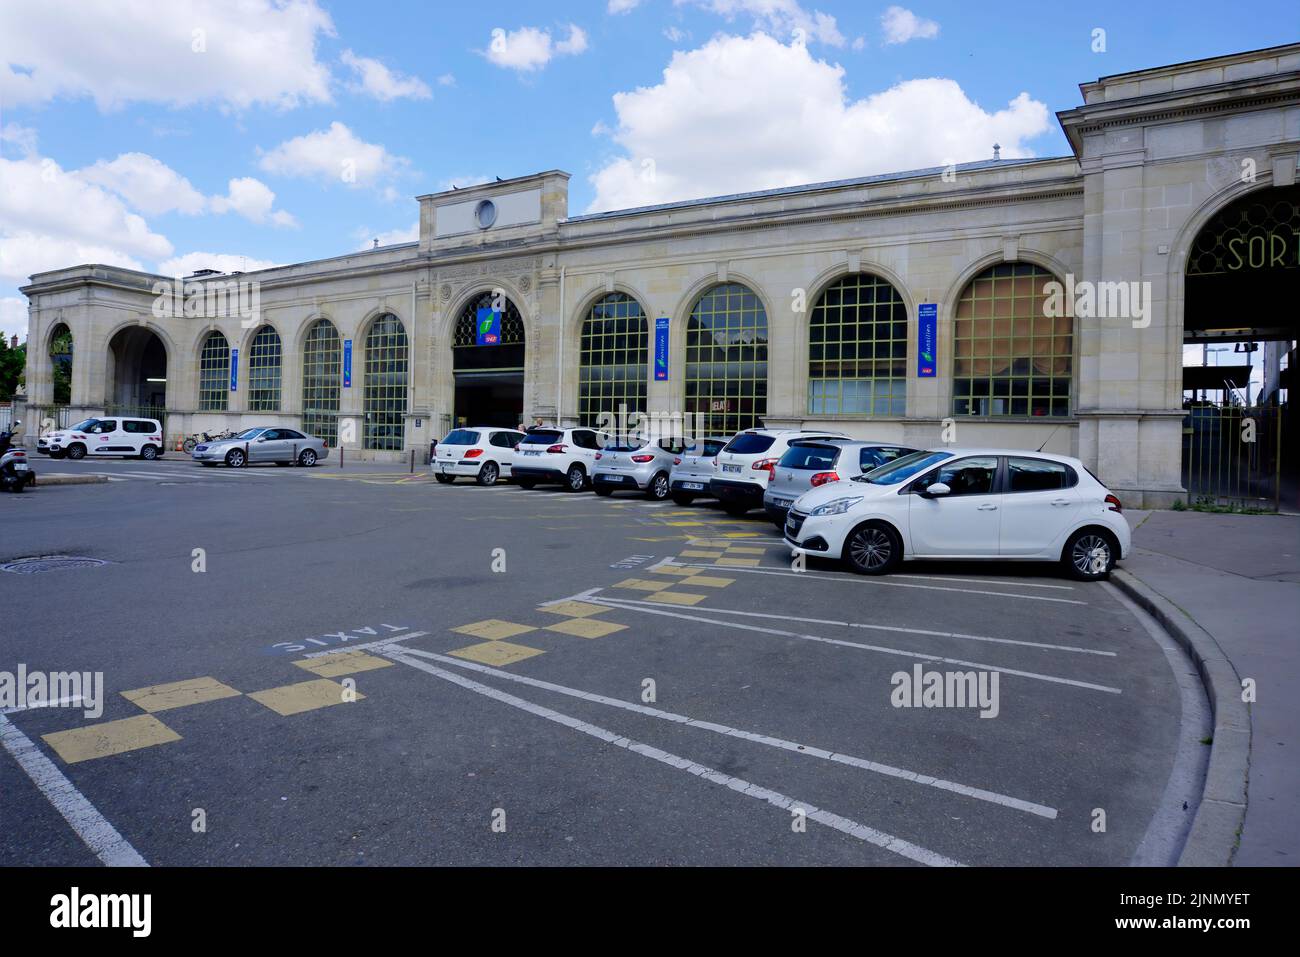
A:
[(661, 349), (927, 340), (234, 370), (489, 327), (347, 363)]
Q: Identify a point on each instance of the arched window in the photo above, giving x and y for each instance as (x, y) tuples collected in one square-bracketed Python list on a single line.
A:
[(726, 360), (264, 371), (384, 399), (1009, 356), (857, 349), (613, 367), (322, 381), (61, 363), (214, 374), (467, 351)]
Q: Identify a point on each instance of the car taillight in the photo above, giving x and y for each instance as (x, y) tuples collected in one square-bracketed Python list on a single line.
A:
[(821, 478), (643, 459), (473, 453), (18, 452), (765, 465), (557, 449), (677, 461), (1114, 504)]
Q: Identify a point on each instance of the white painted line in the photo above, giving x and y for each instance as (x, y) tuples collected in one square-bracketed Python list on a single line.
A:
[(366, 646), (862, 832), (983, 581), (804, 749), (94, 830), (856, 624), (56, 703), (624, 603), (861, 580)]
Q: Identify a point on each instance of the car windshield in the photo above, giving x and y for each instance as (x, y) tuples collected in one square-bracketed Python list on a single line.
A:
[(248, 434), (83, 426), (461, 437), (748, 443), (900, 470)]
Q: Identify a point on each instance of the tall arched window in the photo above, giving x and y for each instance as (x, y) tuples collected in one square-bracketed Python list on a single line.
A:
[(61, 363), (613, 367), (726, 360), (1009, 356), (857, 349), (322, 381), (384, 399), (214, 374), (264, 371)]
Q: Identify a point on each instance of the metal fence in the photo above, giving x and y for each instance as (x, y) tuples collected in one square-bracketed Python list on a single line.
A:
[(139, 412), (1232, 455)]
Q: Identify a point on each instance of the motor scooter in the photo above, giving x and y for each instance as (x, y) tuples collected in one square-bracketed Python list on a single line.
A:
[(15, 471)]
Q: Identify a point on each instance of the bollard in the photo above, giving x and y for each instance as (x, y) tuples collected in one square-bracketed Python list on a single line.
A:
[(340, 456), (412, 461)]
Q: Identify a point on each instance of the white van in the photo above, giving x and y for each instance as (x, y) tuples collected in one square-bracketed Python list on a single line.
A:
[(103, 438)]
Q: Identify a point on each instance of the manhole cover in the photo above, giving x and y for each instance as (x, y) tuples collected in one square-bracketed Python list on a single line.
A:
[(49, 563)]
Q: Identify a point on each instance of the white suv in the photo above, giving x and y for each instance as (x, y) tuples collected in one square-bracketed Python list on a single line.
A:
[(482, 453), (744, 467), (101, 438), (566, 456)]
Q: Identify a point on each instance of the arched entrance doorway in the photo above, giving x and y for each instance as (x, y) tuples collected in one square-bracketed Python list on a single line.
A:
[(488, 362), (1240, 327), (61, 364), (137, 374)]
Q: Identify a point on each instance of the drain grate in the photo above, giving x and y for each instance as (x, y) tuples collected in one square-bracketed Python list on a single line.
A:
[(49, 563)]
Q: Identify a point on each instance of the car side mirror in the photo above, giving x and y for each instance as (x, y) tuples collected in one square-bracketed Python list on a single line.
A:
[(937, 490)]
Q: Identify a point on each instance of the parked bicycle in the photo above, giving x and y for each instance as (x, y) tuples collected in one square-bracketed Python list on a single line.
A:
[(192, 441)]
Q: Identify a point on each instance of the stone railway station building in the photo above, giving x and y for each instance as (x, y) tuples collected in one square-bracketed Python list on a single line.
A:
[(1019, 302)]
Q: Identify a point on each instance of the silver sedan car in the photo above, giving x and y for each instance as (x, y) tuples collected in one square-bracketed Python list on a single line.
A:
[(257, 446), (811, 463), (644, 466)]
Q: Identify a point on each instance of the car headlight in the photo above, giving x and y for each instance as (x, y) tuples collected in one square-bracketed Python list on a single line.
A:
[(837, 506)]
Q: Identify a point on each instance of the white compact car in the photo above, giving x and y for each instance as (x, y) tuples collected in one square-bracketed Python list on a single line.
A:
[(965, 504), (105, 438), (482, 453), (693, 470), (742, 470), (564, 456)]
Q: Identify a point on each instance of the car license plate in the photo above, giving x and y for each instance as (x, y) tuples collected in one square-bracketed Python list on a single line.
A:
[(731, 468), (782, 502), (19, 467), (446, 466), (531, 452), (693, 486), (614, 478)]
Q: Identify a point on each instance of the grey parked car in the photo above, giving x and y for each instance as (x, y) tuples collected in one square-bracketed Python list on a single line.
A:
[(694, 469), (641, 465), (811, 463), (255, 446)]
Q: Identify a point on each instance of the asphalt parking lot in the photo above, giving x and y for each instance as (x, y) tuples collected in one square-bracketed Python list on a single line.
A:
[(371, 668)]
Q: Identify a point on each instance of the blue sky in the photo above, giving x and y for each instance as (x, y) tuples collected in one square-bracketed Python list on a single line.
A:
[(165, 135)]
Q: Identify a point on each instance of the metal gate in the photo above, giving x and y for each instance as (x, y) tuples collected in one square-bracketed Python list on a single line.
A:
[(1232, 455), (139, 412)]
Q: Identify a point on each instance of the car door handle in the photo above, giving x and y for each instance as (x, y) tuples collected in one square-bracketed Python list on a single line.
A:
[(1060, 503), (986, 508)]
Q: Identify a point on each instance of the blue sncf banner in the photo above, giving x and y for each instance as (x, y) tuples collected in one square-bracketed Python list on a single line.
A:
[(489, 327), (661, 349), (927, 340)]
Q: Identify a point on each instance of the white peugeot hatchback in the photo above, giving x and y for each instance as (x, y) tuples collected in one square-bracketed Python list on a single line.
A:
[(965, 504), (742, 470), (566, 456), (483, 454)]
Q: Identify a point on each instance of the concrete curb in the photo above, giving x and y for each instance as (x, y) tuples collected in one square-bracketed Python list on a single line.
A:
[(1216, 829), (64, 478)]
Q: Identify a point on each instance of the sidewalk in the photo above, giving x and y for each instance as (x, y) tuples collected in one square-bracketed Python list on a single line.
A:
[(1238, 577)]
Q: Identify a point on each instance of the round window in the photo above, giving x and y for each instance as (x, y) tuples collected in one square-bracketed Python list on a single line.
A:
[(486, 213)]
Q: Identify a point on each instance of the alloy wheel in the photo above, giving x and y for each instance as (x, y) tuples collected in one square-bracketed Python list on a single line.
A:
[(1091, 555), (871, 548)]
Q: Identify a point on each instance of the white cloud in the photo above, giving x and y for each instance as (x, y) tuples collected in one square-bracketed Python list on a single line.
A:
[(13, 318), (781, 18), (51, 218), (779, 117), (333, 155), (255, 52), (529, 49), (622, 6), (410, 234), (222, 262), (674, 35), (252, 199), (378, 81), (23, 137), (149, 185), (901, 25), (447, 79)]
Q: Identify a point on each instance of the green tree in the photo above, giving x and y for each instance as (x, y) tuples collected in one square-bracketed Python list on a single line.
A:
[(13, 363), (61, 361)]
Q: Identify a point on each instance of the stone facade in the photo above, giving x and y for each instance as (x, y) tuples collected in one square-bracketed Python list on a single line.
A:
[(1156, 154)]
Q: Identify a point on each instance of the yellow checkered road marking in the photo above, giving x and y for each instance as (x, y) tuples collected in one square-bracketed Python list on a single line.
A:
[(586, 627), (110, 737), (304, 696), (641, 584), (343, 663), (738, 562), (493, 629), (709, 582), (677, 598), (495, 653), (178, 694), (574, 609)]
